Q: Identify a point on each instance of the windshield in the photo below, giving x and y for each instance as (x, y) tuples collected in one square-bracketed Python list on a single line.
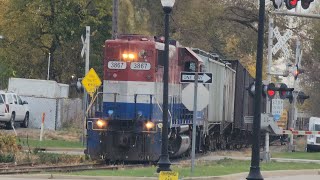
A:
[(317, 127), (2, 98)]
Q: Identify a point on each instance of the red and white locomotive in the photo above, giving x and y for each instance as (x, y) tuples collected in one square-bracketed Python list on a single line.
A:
[(127, 122)]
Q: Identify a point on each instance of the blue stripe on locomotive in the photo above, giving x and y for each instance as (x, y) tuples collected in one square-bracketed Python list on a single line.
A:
[(128, 111)]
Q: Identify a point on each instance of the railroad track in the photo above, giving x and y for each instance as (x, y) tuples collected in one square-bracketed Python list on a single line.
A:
[(23, 169)]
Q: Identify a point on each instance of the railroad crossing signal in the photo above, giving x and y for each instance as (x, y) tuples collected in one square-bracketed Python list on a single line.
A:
[(282, 40), (91, 82), (290, 4)]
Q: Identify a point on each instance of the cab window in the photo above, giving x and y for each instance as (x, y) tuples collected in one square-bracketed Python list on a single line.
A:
[(190, 66)]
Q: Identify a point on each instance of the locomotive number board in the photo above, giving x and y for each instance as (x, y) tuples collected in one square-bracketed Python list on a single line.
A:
[(133, 65)]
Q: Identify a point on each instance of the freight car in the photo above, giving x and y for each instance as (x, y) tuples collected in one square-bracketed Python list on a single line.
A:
[(127, 120)]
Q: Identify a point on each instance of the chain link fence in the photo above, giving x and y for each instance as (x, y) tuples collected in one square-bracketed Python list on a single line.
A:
[(58, 112)]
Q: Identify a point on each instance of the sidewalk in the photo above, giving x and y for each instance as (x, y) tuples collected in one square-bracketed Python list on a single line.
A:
[(239, 176)]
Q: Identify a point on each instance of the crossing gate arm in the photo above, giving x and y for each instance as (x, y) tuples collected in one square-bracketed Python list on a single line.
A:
[(297, 132)]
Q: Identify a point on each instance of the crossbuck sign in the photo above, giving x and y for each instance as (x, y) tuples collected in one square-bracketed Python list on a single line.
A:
[(282, 40)]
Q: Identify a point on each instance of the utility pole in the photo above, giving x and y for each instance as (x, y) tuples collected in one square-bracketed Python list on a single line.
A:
[(48, 75), (115, 19), (87, 62), (293, 111)]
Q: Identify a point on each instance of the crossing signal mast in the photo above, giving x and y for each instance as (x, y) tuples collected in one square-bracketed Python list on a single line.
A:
[(271, 90), (290, 4)]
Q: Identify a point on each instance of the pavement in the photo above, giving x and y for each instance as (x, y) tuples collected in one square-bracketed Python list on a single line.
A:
[(267, 175)]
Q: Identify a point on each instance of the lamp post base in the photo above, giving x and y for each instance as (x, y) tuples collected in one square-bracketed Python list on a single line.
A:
[(164, 163), (254, 173)]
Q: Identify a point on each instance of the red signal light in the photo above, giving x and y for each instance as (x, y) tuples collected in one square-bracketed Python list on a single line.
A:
[(271, 93), (291, 3), (271, 90)]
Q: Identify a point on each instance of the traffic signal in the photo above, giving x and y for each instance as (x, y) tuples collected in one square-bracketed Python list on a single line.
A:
[(271, 90), (306, 3), (301, 97)]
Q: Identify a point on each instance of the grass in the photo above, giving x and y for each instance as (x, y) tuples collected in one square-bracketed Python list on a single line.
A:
[(49, 143), (217, 168), (297, 155)]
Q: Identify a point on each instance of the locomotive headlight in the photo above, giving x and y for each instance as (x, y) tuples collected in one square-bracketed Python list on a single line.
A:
[(131, 56), (128, 56), (149, 125), (125, 56), (101, 123)]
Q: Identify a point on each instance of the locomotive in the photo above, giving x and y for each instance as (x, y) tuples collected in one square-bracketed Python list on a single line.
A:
[(126, 120)]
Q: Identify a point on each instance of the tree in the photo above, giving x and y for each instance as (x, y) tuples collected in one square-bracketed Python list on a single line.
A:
[(35, 28)]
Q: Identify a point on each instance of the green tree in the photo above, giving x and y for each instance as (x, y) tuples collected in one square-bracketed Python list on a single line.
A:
[(35, 28)]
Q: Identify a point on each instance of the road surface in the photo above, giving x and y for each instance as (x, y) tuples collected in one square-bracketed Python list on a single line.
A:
[(297, 177)]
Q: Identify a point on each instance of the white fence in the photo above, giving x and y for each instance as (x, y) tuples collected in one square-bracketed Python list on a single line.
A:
[(58, 111)]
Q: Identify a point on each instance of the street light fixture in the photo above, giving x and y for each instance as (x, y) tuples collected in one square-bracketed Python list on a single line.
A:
[(164, 162)]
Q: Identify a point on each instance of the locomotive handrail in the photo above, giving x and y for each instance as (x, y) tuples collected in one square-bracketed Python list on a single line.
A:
[(135, 102), (162, 111)]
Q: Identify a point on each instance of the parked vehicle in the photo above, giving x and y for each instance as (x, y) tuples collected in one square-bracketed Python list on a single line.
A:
[(13, 109), (313, 141)]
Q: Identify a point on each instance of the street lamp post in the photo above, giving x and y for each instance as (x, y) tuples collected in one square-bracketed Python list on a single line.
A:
[(164, 162), (255, 173)]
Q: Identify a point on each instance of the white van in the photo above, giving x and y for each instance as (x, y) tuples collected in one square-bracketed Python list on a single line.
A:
[(13, 109), (313, 141)]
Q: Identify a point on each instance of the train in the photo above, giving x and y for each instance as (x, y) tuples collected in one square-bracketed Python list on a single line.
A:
[(125, 123)]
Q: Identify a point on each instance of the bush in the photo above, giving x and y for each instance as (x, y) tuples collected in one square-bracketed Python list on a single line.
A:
[(51, 158), (8, 144), (6, 158)]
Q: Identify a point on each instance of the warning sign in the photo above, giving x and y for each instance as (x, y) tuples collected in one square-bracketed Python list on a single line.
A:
[(91, 82), (168, 175), (283, 119)]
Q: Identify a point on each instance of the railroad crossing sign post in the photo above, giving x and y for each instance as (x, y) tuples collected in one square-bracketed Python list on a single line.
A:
[(282, 42)]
